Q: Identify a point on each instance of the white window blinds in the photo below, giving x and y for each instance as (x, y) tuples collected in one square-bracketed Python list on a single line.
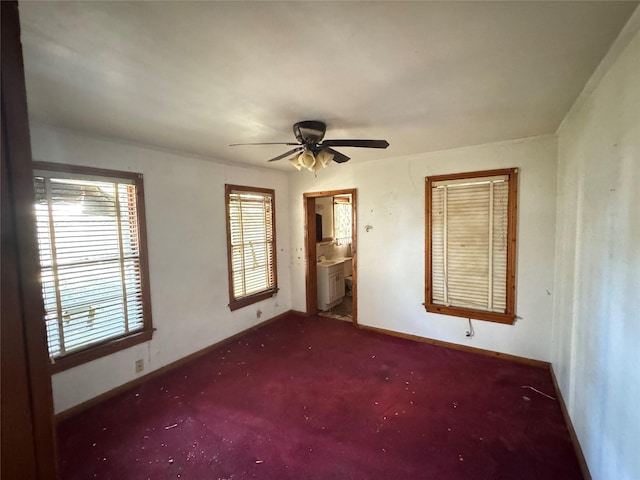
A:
[(251, 241), (469, 229), (89, 243)]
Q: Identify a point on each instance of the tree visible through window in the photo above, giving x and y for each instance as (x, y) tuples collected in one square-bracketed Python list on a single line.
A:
[(470, 244), (92, 250), (251, 244)]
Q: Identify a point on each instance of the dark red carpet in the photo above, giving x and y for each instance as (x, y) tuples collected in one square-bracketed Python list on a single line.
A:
[(316, 398)]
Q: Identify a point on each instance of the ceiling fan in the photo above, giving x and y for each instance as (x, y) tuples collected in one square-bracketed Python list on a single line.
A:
[(311, 151)]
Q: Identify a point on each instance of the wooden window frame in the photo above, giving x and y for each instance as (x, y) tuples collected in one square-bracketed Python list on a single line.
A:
[(509, 316), (240, 302), (116, 344)]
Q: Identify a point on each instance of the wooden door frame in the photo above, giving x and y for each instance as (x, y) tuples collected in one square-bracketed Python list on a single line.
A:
[(311, 274), (28, 438)]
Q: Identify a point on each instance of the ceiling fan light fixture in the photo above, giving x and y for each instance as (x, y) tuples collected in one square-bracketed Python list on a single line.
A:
[(307, 160), (317, 166), (294, 161), (317, 153), (324, 158)]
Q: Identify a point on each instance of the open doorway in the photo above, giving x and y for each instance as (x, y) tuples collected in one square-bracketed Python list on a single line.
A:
[(331, 254)]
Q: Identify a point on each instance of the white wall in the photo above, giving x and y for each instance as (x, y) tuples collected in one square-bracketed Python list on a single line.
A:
[(186, 233), (596, 332), (390, 258)]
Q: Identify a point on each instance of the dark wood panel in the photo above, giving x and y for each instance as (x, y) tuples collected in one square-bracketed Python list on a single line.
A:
[(18, 447), (28, 441), (311, 271)]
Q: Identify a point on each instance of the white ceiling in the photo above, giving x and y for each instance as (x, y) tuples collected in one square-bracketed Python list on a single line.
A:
[(194, 77)]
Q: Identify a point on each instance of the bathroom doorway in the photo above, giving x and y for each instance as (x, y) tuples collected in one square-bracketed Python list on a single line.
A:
[(331, 254)]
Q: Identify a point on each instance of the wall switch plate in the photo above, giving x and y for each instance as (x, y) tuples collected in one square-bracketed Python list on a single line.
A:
[(139, 365)]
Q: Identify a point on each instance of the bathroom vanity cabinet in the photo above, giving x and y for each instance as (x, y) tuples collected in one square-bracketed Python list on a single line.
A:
[(330, 284)]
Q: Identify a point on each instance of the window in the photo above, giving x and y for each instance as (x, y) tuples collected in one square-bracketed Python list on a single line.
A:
[(251, 243), (94, 274), (471, 245), (342, 219)]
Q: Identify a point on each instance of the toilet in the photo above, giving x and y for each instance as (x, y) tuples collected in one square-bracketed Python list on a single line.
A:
[(348, 278)]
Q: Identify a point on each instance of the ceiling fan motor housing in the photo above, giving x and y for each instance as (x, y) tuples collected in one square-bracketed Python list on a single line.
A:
[(309, 132)]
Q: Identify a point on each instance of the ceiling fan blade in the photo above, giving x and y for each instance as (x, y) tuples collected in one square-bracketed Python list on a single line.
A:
[(287, 154), (337, 156), (267, 143), (355, 143)]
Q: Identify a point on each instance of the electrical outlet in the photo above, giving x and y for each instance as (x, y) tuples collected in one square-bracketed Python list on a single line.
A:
[(258, 313), (139, 365)]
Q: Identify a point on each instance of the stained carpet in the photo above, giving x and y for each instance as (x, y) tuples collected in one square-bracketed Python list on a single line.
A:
[(316, 398)]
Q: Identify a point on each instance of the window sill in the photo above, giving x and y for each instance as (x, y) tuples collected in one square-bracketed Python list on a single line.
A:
[(505, 318), (102, 350), (246, 301)]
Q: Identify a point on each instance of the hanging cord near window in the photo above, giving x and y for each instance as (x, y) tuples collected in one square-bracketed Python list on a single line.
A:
[(470, 333)]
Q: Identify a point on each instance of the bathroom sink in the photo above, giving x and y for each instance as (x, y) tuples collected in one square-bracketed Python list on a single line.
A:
[(328, 263)]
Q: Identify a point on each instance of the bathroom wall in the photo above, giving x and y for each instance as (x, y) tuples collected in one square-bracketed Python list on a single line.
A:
[(324, 207), (391, 277), (186, 230), (332, 251)]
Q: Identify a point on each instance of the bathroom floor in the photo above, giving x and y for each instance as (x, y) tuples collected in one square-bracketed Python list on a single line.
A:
[(342, 311)]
